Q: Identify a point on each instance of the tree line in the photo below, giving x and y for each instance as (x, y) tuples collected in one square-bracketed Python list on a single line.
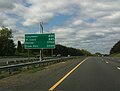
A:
[(116, 48), (8, 47), (59, 50)]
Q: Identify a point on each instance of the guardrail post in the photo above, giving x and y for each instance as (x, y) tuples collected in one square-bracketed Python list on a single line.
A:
[(7, 62), (10, 72), (28, 67), (39, 65), (20, 69)]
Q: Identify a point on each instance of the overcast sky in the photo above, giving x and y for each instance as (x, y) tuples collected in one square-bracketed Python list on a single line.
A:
[(93, 25)]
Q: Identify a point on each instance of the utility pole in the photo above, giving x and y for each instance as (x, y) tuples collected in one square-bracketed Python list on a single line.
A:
[(41, 32)]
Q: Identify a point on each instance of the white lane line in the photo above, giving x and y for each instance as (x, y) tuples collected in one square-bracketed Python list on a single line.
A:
[(118, 68), (106, 62), (63, 78), (63, 62)]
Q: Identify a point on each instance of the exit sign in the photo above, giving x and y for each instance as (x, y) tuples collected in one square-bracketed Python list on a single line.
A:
[(40, 41)]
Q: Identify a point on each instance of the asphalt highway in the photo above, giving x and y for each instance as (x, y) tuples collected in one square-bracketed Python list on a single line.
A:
[(95, 74), (91, 74)]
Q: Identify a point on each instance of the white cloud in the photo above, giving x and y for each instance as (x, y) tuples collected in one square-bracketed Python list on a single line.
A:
[(45, 10), (5, 5), (64, 35), (94, 25), (112, 18)]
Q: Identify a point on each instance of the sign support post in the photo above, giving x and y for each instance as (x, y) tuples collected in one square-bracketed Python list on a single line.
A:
[(28, 55), (40, 55), (41, 32), (51, 52)]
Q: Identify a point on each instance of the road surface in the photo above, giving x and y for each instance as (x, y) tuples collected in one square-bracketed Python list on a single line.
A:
[(91, 74)]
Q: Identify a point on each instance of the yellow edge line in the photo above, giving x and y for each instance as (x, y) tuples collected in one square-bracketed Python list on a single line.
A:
[(56, 84)]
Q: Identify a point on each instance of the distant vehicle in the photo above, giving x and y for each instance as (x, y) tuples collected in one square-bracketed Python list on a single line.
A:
[(68, 55), (59, 55)]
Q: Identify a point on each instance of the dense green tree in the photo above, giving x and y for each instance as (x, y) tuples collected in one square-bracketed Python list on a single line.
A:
[(5, 33), (116, 48), (64, 51), (7, 46), (19, 47), (98, 54), (59, 49), (86, 53)]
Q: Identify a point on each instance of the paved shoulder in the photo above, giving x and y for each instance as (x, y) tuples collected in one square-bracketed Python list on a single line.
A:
[(93, 75), (38, 81)]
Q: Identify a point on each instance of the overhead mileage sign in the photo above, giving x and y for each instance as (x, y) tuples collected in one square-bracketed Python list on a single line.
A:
[(40, 41)]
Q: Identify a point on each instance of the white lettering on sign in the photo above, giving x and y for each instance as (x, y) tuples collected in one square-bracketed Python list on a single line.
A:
[(31, 36), (50, 35), (32, 39), (50, 42), (26, 39), (29, 46), (29, 42), (50, 45), (35, 46), (51, 39)]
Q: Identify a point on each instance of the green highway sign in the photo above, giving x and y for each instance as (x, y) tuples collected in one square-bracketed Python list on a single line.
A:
[(40, 41)]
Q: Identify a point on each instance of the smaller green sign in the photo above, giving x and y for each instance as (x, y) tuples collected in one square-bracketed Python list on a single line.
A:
[(40, 41)]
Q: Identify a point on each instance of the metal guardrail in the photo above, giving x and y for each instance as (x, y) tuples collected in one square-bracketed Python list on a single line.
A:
[(31, 63), (16, 61), (6, 62), (18, 67)]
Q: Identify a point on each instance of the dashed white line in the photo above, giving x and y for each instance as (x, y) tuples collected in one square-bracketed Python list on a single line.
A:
[(106, 62), (63, 62), (118, 68)]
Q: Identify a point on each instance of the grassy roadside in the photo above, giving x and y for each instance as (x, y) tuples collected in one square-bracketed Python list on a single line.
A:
[(115, 55), (28, 69), (31, 69)]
